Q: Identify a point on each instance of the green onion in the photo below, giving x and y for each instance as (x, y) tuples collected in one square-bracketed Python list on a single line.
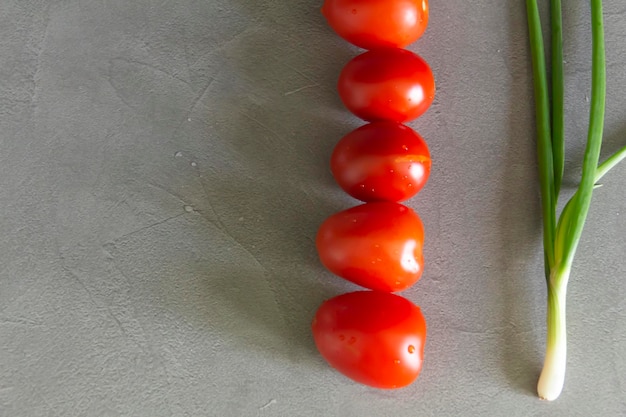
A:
[(561, 237), (558, 114)]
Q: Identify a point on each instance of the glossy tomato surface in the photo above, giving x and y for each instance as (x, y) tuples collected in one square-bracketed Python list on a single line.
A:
[(373, 24), (375, 245), (381, 161), (387, 84), (374, 338)]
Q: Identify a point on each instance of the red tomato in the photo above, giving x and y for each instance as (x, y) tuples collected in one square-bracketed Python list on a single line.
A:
[(373, 24), (381, 161), (375, 245), (374, 338), (387, 84)]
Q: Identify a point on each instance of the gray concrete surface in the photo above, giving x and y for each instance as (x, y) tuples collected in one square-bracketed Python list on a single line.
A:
[(163, 171)]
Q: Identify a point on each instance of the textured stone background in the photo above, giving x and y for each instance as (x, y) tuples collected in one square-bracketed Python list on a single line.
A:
[(163, 171)]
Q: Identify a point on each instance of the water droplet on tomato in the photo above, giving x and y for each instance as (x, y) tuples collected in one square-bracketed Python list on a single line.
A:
[(362, 185), (397, 361), (352, 340), (411, 349), (391, 170), (354, 11), (406, 148), (342, 337)]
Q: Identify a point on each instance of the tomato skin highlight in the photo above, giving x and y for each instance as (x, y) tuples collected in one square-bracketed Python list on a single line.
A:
[(373, 24), (387, 84), (381, 161), (374, 338), (375, 245)]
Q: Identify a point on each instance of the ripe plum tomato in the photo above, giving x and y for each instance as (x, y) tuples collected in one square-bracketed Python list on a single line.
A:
[(387, 84), (374, 338), (375, 245), (373, 24), (385, 161)]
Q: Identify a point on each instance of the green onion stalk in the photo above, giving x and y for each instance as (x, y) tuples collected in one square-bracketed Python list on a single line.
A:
[(562, 234)]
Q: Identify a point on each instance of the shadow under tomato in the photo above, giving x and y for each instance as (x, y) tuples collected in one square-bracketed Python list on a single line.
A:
[(275, 125)]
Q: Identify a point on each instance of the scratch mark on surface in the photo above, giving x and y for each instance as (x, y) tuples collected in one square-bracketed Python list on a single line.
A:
[(305, 190), (194, 104), (239, 245), (80, 282), (303, 75), (264, 126), (150, 66), (271, 402), (40, 51), (200, 96), (117, 203), (168, 192), (217, 222), (110, 257), (214, 219), (119, 91), (104, 306), (47, 404), (225, 43), (185, 47), (160, 222), (20, 321), (6, 389), (220, 227), (118, 323), (288, 93), (103, 159), (133, 307)]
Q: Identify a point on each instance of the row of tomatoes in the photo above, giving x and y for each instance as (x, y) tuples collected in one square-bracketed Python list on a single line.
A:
[(375, 337)]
